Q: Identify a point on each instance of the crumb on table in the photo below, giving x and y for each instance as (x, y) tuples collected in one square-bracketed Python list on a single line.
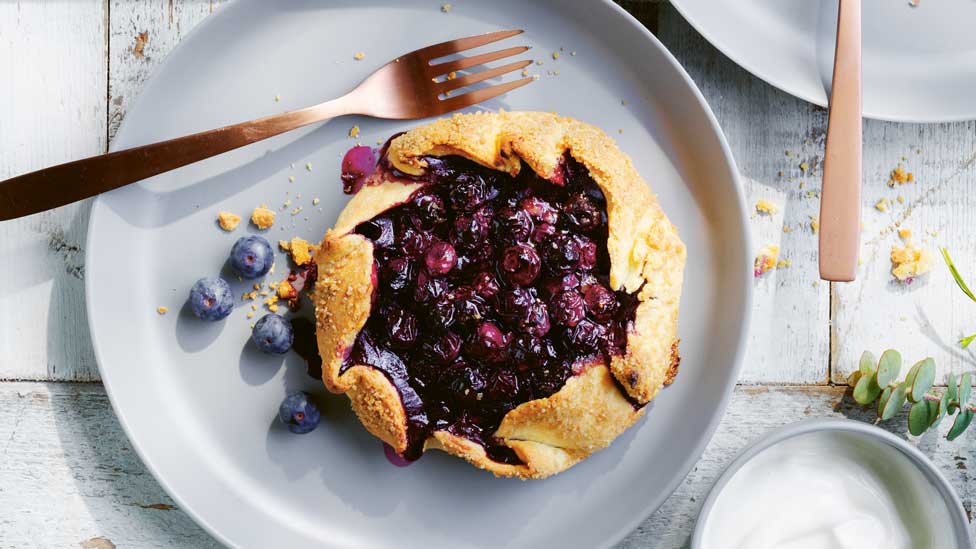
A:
[(905, 234), (354, 131), (300, 249), (162, 310), (446, 8), (908, 262), (882, 205), (766, 260), (814, 224), (766, 207), (228, 221), (899, 176), (262, 217), (359, 56)]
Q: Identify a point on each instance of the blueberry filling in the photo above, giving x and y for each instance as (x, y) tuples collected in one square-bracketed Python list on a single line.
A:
[(492, 291)]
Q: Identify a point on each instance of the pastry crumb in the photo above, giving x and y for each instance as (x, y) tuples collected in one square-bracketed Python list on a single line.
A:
[(814, 224), (277, 98), (300, 249), (262, 217), (766, 207), (804, 167), (766, 260), (908, 262), (359, 56), (228, 221), (286, 291), (315, 201), (787, 229), (783, 264), (354, 131), (250, 314), (539, 62), (162, 310), (525, 72), (296, 211), (899, 176), (573, 53), (555, 55), (905, 234), (308, 166), (446, 8), (139, 49), (882, 205)]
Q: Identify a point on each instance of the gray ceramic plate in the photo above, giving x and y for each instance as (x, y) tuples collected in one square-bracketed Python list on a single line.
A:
[(199, 405)]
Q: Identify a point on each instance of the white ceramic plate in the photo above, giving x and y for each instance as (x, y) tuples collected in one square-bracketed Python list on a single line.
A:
[(199, 404), (919, 64)]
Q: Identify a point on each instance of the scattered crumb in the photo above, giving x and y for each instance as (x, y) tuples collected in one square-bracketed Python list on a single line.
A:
[(539, 62), (162, 310), (789, 153), (452, 75), (535, 77), (286, 291), (139, 49), (291, 178), (525, 72), (882, 205), (262, 217), (766, 260), (901, 199), (787, 229), (228, 221), (783, 264), (446, 8), (815, 283), (814, 225), (766, 207), (573, 53), (359, 56), (301, 251), (804, 167), (286, 204), (899, 176), (620, 130), (296, 211), (354, 131), (315, 201), (555, 55), (308, 166), (250, 314), (905, 234), (277, 98), (907, 262), (780, 174), (623, 102)]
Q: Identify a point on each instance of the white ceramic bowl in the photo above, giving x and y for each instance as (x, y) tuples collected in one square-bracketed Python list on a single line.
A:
[(960, 522)]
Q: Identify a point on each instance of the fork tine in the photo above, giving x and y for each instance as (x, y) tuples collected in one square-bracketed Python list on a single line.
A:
[(474, 78), (477, 96), (461, 44), (475, 60)]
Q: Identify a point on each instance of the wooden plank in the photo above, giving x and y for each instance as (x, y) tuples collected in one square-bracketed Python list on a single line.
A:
[(142, 33), (771, 134), (52, 109), (65, 461), (928, 317)]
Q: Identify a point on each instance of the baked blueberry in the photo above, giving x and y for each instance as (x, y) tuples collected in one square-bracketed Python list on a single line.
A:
[(252, 256), (440, 258), (211, 299), (520, 264), (273, 334), (299, 413)]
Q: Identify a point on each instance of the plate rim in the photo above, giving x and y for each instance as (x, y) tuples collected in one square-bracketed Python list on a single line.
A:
[(737, 359), (818, 99)]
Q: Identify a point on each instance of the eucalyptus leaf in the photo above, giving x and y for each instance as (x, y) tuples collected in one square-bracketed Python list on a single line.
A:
[(952, 390), (853, 378), (895, 403), (866, 390), (956, 276), (919, 418), (936, 411), (888, 367), (868, 364), (965, 388), (964, 342), (910, 379), (883, 401), (960, 424), (924, 378)]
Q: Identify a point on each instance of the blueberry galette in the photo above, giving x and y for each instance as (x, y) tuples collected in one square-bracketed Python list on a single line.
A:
[(503, 287)]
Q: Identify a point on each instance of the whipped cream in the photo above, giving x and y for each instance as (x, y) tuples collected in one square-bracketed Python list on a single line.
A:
[(829, 490)]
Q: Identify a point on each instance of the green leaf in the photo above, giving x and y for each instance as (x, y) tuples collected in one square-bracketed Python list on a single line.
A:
[(868, 363), (965, 388), (924, 378), (853, 378), (940, 409), (895, 403), (885, 397), (919, 418), (955, 274), (910, 379), (866, 390), (888, 367), (951, 391), (967, 340), (960, 424)]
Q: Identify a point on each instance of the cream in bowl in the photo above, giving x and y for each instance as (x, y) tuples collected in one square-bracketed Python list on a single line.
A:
[(831, 484)]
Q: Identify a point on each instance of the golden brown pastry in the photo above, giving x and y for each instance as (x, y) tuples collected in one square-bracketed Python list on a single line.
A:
[(503, 287)]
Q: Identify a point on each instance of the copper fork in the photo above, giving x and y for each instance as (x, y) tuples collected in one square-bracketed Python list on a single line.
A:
[(411, 86)]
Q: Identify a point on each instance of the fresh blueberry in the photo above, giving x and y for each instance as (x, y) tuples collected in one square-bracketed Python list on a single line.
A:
[(211, 299), (252, 256), (273, 334), (299, 413)]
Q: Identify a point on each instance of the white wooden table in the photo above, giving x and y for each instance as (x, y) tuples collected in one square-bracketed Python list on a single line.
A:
[(68, 475)]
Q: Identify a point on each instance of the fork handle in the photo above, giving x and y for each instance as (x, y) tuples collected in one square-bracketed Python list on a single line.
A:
[(840, 199), (66, 183)]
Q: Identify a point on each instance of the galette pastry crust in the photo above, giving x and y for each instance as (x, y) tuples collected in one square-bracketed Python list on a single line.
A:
[(549, 435)]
